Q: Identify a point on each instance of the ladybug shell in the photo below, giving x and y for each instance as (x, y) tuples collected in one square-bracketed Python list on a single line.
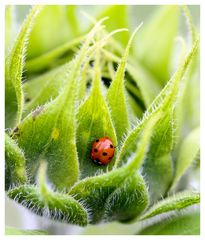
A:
[(102, 151)]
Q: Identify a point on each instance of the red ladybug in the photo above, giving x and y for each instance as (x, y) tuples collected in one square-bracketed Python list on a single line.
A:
[(102, 151)]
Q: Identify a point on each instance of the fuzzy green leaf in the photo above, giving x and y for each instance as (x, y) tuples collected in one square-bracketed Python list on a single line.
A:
[(147, 84), (158, 165), (117, 195), (44, 202), (179, 201), (181, 224), (155, 44), (94, 121), (54, 205), (187, 154), (13, 72), (116, 96), (49, 131), (16, 231), (15, 171)]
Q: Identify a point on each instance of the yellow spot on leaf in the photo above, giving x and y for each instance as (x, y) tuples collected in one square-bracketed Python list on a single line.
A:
[(55, 133)]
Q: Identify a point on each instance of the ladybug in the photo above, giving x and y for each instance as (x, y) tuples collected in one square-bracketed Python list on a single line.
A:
[(102, 151)]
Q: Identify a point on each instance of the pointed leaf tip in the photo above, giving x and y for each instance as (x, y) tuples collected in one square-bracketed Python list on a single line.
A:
[(14, 66), (116, 95)]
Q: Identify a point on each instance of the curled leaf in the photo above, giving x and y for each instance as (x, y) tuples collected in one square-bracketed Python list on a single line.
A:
[(15, 170), (180, 224), (44, 202), (179, 201), (117, 195)]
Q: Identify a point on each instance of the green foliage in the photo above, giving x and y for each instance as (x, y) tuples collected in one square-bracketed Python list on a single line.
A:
[(181, 224), (113, 196), (147, 84), (74, 96), (15, 169), (44, 202), (49, 132), (116, 97), (13, 72), (176, 202), (158, 165), (94, 121)]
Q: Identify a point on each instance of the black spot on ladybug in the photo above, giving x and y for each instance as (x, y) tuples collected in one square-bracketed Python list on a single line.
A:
[(97, 140), (104, 154), (111, 145), (110, 158), (95, 150), (97, 161), (37, 112)]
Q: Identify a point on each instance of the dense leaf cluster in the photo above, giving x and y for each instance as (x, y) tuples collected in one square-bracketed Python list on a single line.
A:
[(83, 86)]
